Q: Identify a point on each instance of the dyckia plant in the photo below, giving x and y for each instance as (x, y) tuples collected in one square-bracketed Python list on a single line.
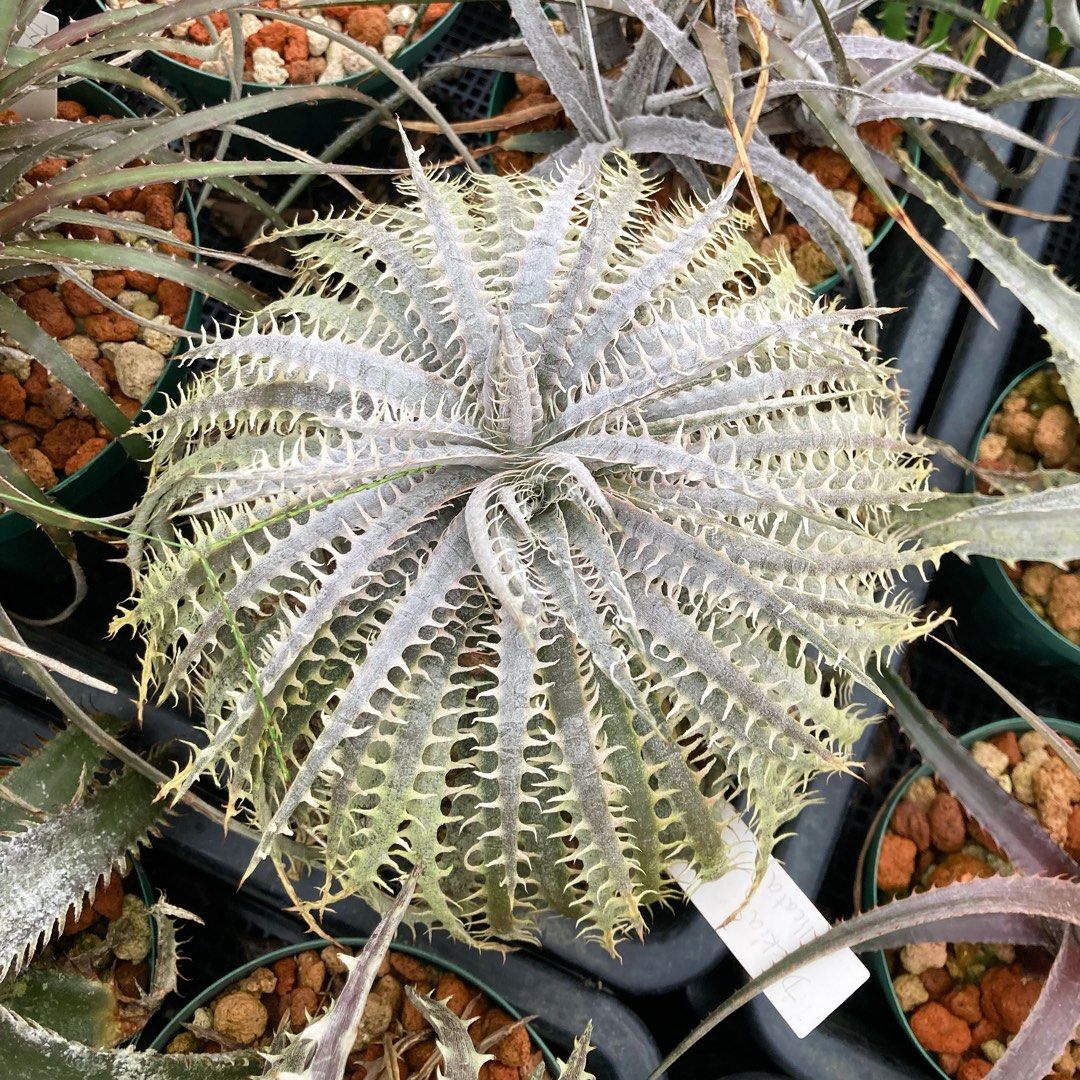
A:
[(526, 531), (811, 72)]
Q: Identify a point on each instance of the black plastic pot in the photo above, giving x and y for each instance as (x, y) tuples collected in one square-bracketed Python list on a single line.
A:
[(22, 544)]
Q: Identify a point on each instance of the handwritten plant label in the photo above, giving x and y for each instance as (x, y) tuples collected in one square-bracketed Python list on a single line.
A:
[(776, 920), (38, 104)]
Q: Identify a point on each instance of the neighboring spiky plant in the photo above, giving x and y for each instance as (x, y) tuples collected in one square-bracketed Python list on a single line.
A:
[(519, 535), (824, 82), (321, 1051), (74, 830), (32, 218), (63, 831)]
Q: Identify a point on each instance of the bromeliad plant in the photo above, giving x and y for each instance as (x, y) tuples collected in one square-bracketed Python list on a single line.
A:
[(814, 68), (56, 226), (527, 531)]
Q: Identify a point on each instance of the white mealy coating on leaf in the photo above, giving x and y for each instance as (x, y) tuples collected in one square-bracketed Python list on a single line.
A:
[(648, 500)]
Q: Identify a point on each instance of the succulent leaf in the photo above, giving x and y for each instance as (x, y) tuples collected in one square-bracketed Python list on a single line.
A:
[(536, 671), (50, 777), (1052, 303), (64, 856), (34, 1053)]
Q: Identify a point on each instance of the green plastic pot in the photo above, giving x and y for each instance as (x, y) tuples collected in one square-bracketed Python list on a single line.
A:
[(866, 896), (22, 544), (504, 88), (307, 127), (176, 1025), (994, 604)]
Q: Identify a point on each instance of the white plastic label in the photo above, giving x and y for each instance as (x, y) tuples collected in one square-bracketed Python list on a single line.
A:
[(775, 921), (39, 104)]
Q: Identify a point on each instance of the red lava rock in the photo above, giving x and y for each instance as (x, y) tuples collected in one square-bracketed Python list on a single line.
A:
[(454, 993), (38, 418), (973, 1069), (938, 982), (76, 924), (21, 442), (1007, 996), (964, 1003), (143, 282), (173, 299), (128, 406), (301, 73), (296, 45), (83, 456), (938, 1030), (38, 382), (496, 1070), (70, 110), (896, 863), (1007, 743), (110, 282), (110, 327), (947, 827), (302, 1003), (159, 212), (959, 867), (882, 135), (981, 836), (433, 14), (514, 1048), (48, 311), (368, 25), (122, 198), (40, 281), (64, 439), (44, 170), (412, 1019), (285, 970), (78, 301), (830, 167), (911, 821), (12, 398), (1072, 838), (984, 1031), (271, 35), (109, 899)]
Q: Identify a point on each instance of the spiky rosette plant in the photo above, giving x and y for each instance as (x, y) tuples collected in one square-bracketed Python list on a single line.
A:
[(714, 85), (522, 535)]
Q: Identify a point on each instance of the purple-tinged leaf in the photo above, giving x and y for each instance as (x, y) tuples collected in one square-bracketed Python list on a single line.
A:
[(1027, 844), (1050, 1025), (1048, 898), (1064, 749)]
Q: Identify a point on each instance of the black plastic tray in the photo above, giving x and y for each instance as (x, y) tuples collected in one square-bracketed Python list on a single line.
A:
[(195, 853), (862, 1039)]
